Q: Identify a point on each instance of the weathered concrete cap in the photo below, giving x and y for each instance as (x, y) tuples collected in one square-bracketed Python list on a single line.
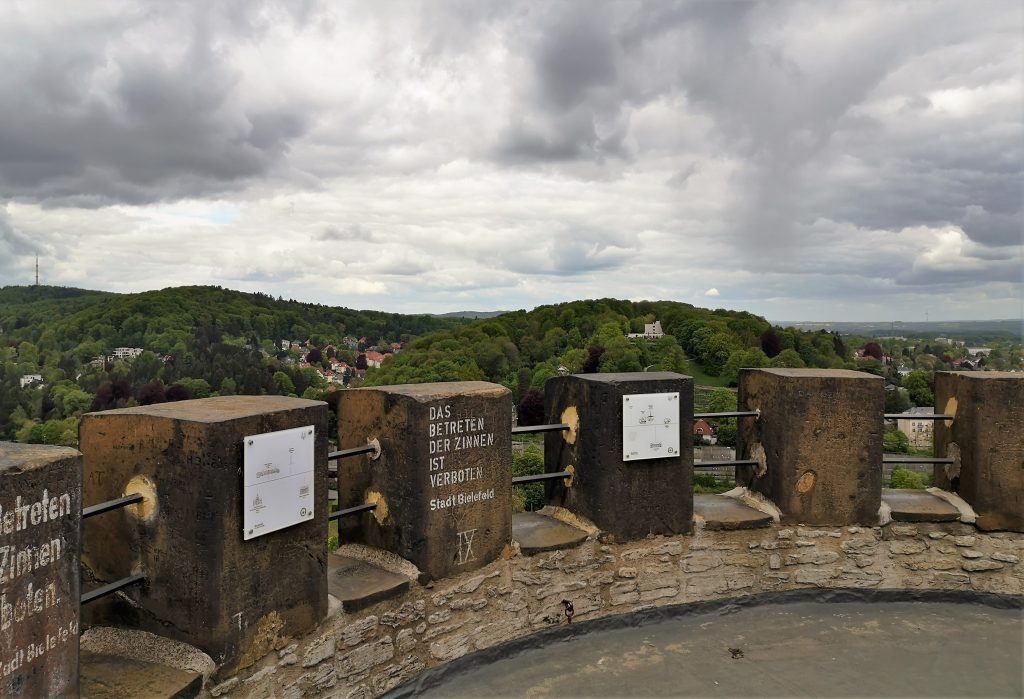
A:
[(918, 506), (536, 533), (216, 409), (40, 525), (819, 373), (614, 378), (428, 392), (19, 458), (722, 513)]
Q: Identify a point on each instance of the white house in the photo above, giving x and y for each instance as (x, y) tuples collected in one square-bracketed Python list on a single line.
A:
[(652, 331), (127, 352), (30, 380)]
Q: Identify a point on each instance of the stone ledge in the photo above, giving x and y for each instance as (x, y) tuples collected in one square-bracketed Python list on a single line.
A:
[(537, 533), (722, 513), (918, 506), (358, 584), (105, 676)]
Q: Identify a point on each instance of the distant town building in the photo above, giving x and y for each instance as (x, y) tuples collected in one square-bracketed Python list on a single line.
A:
[(705, 431), (127, 352), (30, 380), (652, 331), (979, 351), (919, 431)]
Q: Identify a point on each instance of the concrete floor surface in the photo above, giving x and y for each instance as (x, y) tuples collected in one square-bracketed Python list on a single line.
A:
[(802, 649)]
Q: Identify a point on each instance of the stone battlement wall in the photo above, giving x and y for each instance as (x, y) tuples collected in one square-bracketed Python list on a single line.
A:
[(206, 522), (367, 653)]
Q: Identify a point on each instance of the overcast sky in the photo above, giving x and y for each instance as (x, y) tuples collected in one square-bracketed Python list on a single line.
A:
[(819, 161)]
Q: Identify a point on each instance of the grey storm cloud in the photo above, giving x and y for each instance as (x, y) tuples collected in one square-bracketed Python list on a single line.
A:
[(94, 119), (350, 233), (591, 63), (496, 140), (14, 244)]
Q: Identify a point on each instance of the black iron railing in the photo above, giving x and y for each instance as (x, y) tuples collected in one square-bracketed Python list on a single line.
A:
[(358, 509), (111, 588), (519, 480), (534, 429), (98, 509)]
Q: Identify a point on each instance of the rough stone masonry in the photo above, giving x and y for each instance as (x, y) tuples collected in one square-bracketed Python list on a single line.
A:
[(367, 653)]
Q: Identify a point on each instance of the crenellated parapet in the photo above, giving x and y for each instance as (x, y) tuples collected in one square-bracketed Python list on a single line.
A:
[(207, 521)]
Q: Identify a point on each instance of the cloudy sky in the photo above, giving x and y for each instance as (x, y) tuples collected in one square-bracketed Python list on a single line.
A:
[(802, 160)]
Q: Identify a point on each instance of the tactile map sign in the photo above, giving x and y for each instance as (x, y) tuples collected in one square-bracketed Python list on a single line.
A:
[(650, 426), (278, 480)]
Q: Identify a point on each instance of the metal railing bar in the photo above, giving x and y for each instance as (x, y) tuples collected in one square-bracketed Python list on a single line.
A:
[(354, 451), (925, 416), (519, 480), (738, 462), (100, 508), (737, 413), (531, 429), (111, 588), (915, 460), (338, 514)]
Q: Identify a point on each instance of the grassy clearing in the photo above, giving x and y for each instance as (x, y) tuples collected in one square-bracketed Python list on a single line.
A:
[(695, 370)]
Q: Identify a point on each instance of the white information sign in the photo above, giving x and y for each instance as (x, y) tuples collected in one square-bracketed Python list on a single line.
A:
[(277, 487), (650, 426)]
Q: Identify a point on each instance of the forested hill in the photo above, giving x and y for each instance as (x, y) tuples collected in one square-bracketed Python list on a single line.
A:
[(88, 323), (521, 349)]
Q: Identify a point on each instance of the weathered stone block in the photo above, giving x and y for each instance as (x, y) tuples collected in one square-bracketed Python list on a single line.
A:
[(443, 479), (820, 437), (628, 500), (40, 519), (234, 599), (988, 435)]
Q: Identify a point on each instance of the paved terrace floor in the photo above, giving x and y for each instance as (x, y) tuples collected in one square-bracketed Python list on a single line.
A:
[(800, 649)]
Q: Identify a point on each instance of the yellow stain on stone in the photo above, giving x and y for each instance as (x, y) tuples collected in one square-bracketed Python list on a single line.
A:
[(806, 482), (950, 409), (147, 509), (571, 417), (265, 638), (381, 513), (758, 455)]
